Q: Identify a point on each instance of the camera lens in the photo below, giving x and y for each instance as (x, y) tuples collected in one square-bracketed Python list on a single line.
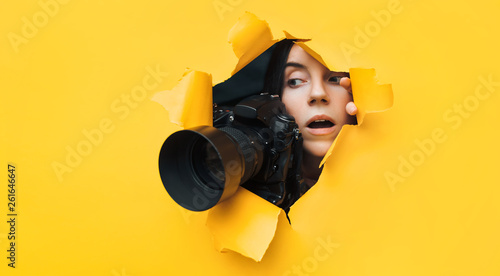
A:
[(192, 167), (207, 165)]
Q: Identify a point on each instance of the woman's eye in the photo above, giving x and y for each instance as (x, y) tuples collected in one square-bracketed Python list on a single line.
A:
[(295, 82), (335, 79)]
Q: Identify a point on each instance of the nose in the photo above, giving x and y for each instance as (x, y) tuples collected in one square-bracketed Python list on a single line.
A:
[(318, 94)]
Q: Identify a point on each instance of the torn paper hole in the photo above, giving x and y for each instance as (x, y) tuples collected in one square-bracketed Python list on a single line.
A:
[(246, 223)]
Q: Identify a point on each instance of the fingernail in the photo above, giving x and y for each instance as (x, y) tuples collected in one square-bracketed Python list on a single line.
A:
[(352, 109)]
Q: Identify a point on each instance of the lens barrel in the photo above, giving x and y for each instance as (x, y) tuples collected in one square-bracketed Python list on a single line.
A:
[(203, 166)]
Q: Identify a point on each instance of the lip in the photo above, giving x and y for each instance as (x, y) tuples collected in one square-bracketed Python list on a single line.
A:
[(320, 131)]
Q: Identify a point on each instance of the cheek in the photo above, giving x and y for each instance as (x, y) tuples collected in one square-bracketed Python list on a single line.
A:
[(341, 95), (340, 102), (340, 111), (292, 104)]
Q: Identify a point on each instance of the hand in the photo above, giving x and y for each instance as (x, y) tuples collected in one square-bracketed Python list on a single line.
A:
[(350, 107)]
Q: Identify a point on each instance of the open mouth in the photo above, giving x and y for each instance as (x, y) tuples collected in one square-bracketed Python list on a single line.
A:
[(321, 124)]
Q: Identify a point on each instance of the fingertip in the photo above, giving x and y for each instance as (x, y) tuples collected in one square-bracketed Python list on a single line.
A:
[(351, 108), (345, 82)]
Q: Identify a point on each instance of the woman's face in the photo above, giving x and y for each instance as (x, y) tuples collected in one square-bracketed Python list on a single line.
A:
[(312, 94)]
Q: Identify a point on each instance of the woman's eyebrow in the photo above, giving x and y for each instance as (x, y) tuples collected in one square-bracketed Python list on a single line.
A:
[(295, 64)]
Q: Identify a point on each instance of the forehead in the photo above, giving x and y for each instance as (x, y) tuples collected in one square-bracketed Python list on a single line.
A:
[(300, 56)]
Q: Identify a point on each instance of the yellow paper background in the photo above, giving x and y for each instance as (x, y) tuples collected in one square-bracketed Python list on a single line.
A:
[(110, 214)]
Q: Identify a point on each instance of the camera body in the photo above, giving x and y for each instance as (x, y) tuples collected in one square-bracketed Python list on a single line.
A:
[(254, 144), (278, 143)]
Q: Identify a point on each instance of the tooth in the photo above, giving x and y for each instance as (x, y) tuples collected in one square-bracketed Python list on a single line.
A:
[(319, 121)]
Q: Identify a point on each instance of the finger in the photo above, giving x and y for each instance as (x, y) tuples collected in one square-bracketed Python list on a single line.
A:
[(346, 83), (351, 108)]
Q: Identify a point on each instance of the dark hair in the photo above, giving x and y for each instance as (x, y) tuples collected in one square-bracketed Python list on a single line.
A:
[(273, 82)]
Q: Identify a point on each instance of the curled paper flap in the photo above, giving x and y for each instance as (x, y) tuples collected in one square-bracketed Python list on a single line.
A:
[(249, 37), (189, 104), (245, 223), (290, 36), (369, 97)]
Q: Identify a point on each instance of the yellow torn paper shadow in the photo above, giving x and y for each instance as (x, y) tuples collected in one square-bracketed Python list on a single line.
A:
[(246, 223)]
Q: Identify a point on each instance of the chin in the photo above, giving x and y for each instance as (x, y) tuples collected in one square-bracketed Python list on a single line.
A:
[(317, 148)]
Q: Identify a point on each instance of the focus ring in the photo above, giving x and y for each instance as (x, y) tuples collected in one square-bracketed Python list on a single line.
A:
[(247, 150)]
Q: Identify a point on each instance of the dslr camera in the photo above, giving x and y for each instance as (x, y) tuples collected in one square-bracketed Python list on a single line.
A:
[(254, 144)]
